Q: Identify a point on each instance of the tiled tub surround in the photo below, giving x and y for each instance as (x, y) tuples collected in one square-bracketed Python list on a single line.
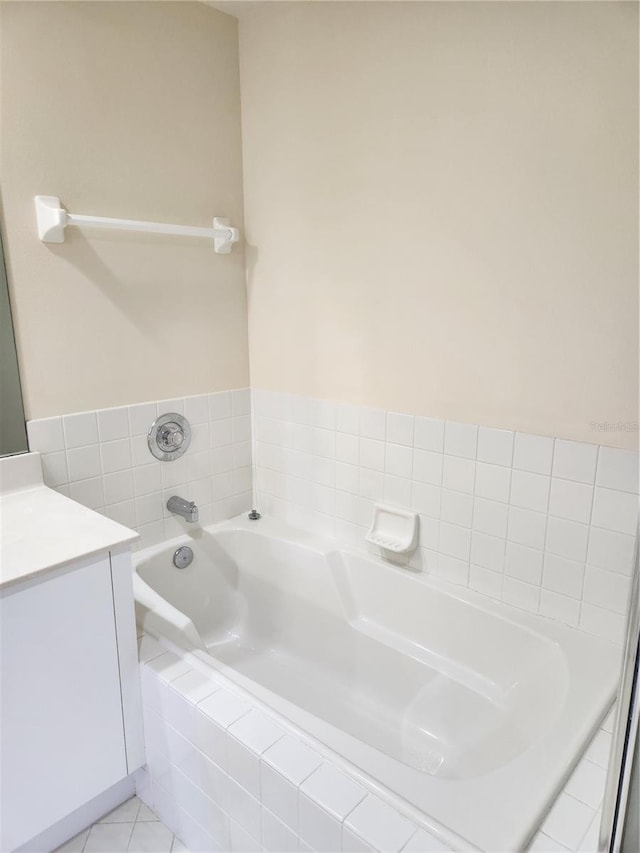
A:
[(544, 524), (225, 774), (101, 459)]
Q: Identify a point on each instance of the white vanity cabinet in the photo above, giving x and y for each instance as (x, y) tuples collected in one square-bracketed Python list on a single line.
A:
[(70, 703), (70, 709)]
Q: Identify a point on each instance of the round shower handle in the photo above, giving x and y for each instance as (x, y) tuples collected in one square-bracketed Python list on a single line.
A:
[(172, 436), (169, 436)]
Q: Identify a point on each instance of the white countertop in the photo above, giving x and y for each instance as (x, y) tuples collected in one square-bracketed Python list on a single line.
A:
[(41, 529)]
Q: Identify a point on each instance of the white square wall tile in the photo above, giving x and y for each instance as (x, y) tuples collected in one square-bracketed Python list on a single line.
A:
[(458, 474), (54, 468), (351, 843), (533, 453), (460, 439), (292, 759), (524, 563), (424, 842), (608, 590), (526, 527), (587, 784), (348, 418), (610, 550), (332, 789), (371, 484), (495, 446), (490, 517), (373, 423), (492, 482), (400, 429), (427, 467), (456, 508), (219, 405), (115, 455), (487, 551), (45, 435), (224, 708), (141, 416), (615, 510), (379, 825), (522, 595), (372, 453), (451, 569), (486, 581), (347, 448), (397, 490), (279, 795), (530, 491), (563, 576), (603, 623), (118, 487), (559, 607), (346, 478), (600, 749), (277, 837), (89, 493), (426, 499), (113, 423), (256, 731), (454, 541), (398, 460), (618, 469), (244, 809), (428, 434), (147, 479), (80, 429), (568, 821), (567, 539), (320, 830), (83, 462), (574, 460), (571, 500), (240, 402)]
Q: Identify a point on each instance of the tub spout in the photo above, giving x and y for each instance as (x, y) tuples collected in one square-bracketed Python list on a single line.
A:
[(187, 509)]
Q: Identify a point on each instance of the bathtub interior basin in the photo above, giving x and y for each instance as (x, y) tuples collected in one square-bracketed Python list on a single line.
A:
[(437, 693)]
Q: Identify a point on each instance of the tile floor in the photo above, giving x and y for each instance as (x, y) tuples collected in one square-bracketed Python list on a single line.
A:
[(131, 828)]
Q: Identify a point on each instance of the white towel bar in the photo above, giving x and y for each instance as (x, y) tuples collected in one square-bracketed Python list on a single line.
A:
[(53, 219)]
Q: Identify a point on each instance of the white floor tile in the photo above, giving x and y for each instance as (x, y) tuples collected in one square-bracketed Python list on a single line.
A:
[(125, 813), (75, 844), (151, 837), (145, 814), (109, 838)]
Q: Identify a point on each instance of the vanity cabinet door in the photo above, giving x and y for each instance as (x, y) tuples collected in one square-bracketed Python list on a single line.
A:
[(61, 715)]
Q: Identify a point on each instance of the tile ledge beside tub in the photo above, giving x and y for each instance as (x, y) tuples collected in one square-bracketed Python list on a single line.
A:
[(297, 795)]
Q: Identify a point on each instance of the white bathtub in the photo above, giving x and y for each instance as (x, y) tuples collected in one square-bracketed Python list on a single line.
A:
[(472, 712)]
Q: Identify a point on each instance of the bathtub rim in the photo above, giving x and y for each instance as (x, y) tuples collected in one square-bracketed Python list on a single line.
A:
[(307, 725)]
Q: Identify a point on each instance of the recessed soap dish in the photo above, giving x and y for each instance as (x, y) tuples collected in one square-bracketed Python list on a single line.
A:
[(393, 529)]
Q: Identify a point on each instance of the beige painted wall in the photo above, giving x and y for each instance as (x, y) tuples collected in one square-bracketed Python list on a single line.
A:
[(129, 110), (441, 206)]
